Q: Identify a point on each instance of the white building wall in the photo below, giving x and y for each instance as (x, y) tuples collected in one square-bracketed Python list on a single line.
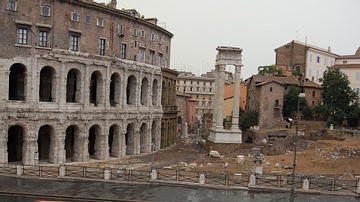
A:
[(317, 63)]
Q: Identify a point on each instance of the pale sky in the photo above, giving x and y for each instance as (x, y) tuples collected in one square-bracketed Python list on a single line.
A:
[(256, 26)]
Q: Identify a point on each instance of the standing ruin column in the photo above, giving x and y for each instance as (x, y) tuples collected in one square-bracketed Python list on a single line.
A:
[(220, 97), (215, 96), (235, 117)]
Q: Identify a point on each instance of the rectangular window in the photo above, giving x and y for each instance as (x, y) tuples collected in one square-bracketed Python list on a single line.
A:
[(325, 61), (152, 37), (160, 59), (309, 75), (120, 29), (134, 32), (43, 38), (151, 57), (357, 75), (100, 22), (123, 51), (159, 40), (310, 58), (87, 19), (23, 36), (317, 74), (142, 33), (345, 62), (102, 46), (331, 63), (357, 90), (142, 55), (74, 16), (11, 5), (74, 42), (318, 59), (45, 10)]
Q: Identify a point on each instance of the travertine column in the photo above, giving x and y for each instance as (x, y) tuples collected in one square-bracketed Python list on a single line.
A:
[(81, 149), (30, 150), (61, 96), (220, 97), (136, 139), (57, 146), (235, 117), (86, 89), (216, 89)]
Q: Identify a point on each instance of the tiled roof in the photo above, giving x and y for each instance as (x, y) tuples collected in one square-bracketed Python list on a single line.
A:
[(285, 80), (342, 66)]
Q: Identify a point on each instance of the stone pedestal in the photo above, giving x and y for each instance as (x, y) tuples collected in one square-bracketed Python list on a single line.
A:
[(218, 135)]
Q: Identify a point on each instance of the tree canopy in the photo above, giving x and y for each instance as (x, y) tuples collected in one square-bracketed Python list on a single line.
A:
[(268, 69), (291, 101), (337, 95)]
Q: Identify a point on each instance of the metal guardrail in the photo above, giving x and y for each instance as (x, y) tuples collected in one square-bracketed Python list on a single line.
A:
[(217, 179)]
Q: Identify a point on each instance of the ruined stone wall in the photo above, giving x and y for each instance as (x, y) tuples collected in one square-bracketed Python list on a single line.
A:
[(59, 105)]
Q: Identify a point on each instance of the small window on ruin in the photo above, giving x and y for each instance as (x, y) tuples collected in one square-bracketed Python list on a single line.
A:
[(45, 10)]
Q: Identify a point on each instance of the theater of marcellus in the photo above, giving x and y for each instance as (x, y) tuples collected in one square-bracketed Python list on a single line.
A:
[(82, 80)]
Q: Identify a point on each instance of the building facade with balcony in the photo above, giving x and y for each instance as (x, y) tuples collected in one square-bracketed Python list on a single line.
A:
[(80, 80)]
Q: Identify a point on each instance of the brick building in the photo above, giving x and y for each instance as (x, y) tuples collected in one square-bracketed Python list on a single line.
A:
[(307, 59), (265, 94), (81, 80)]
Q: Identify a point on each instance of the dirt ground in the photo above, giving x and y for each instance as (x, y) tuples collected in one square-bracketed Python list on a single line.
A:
[(315, 159)]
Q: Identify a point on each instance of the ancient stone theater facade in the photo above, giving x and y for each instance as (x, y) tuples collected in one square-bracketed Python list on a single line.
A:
[(79, 80)]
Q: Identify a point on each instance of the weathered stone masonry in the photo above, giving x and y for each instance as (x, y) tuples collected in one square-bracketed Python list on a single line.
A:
[(69, 90), (78, 130)]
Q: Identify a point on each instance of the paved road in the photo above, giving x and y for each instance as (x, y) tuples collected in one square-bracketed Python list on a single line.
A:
[(108, 191)]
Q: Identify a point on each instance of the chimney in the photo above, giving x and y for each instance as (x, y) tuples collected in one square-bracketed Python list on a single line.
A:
[(113, 4), (329, 50)]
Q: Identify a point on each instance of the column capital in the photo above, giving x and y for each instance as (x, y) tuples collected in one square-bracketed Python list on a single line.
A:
[(221, 67)]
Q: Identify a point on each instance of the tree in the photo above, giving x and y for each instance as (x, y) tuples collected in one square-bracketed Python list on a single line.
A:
[(337, 95), (291, 101), (247, 119), (269, 69)]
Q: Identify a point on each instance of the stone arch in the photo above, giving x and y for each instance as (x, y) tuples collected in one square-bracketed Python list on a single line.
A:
[(163, 136), (15, 143), (115, 82), (144, 91), (130, 139), (17, 82), (44, 140), (131, 90), (73, 86), (96, 84), (144, 138), (164, 94), (72, 135), (47, 84), (94, 140), (114, 140), (155, 89), (153, 136), (168, 92)]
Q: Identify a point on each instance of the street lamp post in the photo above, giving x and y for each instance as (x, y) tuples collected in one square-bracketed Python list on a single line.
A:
[(301, 95)]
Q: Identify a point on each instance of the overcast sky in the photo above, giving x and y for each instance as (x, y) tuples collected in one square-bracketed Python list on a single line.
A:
[(256, 26)]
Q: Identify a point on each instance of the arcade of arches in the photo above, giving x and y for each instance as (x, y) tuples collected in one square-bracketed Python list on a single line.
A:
[(65, 108)]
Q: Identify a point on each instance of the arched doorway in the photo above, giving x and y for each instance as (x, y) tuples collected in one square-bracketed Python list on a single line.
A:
[(71, 134), (155, 89), (96, 88), (114, 89), (17, 82), (130, 140), (131, 90), (46, 84), (44, 138), (15, 143), (143, 138), (144, 91), (73, 83)]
